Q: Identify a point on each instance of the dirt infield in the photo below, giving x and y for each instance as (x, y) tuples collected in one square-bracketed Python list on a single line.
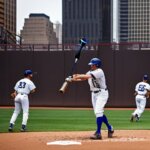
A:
[(123, 140)]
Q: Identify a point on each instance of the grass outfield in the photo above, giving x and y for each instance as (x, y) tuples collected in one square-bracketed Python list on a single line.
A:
[(72, 120)]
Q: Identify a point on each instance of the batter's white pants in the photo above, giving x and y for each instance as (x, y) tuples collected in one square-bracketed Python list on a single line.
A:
[(21, 103), (98, 101), (140, 104)]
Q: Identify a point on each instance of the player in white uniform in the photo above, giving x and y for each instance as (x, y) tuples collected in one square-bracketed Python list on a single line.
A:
[(99, 95), (142, 91), (22, 88)]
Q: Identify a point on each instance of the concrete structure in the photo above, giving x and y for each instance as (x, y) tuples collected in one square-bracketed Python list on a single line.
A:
[(38, 29), (8, 21), (1, 13), (86, 18), (58, 31)]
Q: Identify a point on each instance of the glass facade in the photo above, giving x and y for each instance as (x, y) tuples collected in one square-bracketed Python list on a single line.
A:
[(86, 18), (139, 18), (134, 20)]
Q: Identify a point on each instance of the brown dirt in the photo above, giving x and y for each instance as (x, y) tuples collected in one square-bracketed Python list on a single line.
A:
[(122, 140)]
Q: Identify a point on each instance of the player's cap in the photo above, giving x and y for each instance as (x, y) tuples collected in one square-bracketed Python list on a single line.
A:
[(27, 72), (145, 77), (95, 61)]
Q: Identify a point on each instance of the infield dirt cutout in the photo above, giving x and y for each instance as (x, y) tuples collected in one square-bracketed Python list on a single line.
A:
[(122, 140)]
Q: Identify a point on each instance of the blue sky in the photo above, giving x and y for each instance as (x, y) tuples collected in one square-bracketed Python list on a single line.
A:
[(52, 8)]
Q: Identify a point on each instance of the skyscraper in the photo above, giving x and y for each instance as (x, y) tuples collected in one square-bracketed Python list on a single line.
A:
[(38, 29), (1, 13), (7, 21), (58, 30), (86, 18), (134, 20), (123, 22)]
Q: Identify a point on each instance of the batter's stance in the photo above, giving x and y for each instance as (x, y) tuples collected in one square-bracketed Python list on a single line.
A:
[(22, 88), (99, 95), (142, 91)]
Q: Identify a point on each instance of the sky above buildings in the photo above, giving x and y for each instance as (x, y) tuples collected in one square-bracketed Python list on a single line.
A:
[(52, 8)]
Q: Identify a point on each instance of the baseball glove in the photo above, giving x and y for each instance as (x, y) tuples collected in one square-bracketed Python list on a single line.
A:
[(13, 95)]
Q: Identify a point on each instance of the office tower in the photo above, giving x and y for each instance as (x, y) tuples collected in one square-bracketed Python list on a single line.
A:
[(86, 18), (8, 21), (58, 31), (38, 29), (1, 13), (134, 20)]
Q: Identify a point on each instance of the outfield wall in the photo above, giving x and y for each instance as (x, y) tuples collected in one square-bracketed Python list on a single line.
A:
[(123, 69)]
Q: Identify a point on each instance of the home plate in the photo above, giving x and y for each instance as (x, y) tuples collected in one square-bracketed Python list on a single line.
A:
[(64, 143)]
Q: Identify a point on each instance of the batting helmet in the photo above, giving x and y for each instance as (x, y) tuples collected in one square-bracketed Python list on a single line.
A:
[(145, 77), (27, 72), (95, 61)]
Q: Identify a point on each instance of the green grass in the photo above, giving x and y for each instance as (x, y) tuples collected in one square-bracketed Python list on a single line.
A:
[(73, 120)]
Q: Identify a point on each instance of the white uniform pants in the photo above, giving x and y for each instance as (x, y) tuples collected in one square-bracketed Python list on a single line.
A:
[(21, 103), (140, 104), (98, 101)]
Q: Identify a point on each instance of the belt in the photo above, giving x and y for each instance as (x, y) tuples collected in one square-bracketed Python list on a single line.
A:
[(99, 90), (142, 94), (22, 93), (96, 91)]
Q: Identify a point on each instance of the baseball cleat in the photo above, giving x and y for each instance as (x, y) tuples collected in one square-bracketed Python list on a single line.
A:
[(110, 133), (10, 129), (23, 130), (132, 118), (136, 118), (96, 136)]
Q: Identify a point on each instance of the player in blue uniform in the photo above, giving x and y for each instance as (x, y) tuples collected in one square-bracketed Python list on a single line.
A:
[(99, 95)]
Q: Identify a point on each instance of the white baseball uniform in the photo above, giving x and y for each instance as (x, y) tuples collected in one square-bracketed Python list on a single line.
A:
[(99, 92), (141, 88), (23, 87)]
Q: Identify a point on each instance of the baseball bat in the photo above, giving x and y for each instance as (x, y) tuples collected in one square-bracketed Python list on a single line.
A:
[(64, 86)]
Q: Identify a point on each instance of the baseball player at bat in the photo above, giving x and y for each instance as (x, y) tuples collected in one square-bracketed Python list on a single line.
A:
[(22, 89), (142, 92), (99, 95)]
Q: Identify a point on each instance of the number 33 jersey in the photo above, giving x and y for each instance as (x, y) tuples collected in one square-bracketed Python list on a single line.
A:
[(24, 86), (98, 80), (142, 88)]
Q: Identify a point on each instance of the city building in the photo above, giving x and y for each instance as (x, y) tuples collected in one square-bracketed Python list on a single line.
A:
[(133, 20), (58, 31), (38, 29), (86, 18), (1, 13), (139, 21), (8, 21)]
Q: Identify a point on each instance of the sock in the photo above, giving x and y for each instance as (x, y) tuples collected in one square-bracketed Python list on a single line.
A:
[(99, 122), (23, 126), (105, 120), (11, 125)]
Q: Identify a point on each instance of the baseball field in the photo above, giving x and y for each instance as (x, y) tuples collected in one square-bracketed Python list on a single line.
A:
[(67, 125)]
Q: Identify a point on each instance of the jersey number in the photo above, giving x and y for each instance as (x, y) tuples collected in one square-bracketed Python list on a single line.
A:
[(22, 85), (141, 88)]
